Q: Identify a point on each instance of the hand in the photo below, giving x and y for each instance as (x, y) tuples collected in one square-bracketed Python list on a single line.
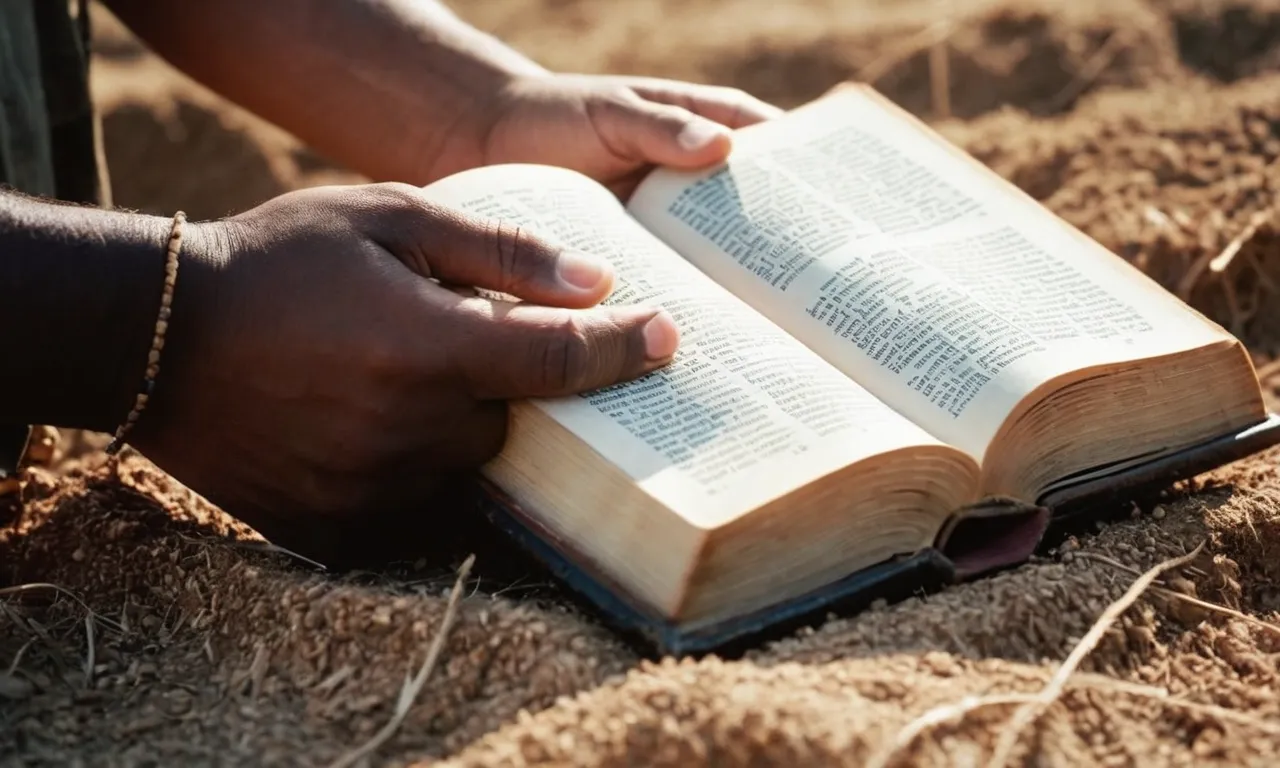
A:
[(313, 372), (613, 129)]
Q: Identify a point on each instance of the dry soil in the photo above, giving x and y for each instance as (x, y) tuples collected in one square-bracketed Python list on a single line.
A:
[(1154, 125)]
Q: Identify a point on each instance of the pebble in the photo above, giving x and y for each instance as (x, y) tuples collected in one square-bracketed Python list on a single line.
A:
[(1158, 513)]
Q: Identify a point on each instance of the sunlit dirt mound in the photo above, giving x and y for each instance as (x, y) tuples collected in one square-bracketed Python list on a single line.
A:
[(173, 637)]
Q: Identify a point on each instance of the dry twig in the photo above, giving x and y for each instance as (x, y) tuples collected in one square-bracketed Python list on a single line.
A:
[(20, 588), (1029, 712), (266, 546), (1032, 704), (939, 715), (17, 657), (1101, 683), (957, 711), (927, 38), (1174, 595), (940, 79), (89, 652), (1219, 263), (1264, 280), (1089, 73), (409, 692)]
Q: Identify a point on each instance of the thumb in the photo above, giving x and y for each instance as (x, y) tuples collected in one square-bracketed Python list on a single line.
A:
[(662, 134), (510, 350)]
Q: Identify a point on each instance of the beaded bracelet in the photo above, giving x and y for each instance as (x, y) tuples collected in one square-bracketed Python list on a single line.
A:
[(157, 339)]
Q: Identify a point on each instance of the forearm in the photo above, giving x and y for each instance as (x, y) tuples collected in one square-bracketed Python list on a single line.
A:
[(378, 85), (79, 293)]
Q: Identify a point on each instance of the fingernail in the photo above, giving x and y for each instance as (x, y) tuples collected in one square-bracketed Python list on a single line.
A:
[(698, 134), (580, 270), (661, 337)]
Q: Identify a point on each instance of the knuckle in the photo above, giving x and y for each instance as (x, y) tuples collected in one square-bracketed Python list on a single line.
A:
[(515, 253), (616, 101), (393, 197), (397, 192), (564, 356), (618, 96), (611, 109)]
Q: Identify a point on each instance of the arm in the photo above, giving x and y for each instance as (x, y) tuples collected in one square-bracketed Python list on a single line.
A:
[(404, 90), (79, 296), (380, 85)]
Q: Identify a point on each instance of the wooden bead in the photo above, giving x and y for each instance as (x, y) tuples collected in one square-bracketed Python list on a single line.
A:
[(157, 337)]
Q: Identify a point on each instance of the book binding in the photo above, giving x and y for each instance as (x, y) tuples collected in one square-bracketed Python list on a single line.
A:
[(920, 573)]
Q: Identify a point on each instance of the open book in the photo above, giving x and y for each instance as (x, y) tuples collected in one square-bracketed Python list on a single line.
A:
[(887, 349)]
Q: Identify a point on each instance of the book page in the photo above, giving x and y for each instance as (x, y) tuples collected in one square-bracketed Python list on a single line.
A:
[(909, 267), (743, 414)]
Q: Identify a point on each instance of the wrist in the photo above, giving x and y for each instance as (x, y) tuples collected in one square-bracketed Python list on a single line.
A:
[(81, 288), (193, 327), (482, 75), (469, 138)]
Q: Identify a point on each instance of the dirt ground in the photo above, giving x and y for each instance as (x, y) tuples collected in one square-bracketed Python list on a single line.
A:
[(1152, 124)]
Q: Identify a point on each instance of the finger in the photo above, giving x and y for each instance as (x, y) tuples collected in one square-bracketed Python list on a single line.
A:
[(727, 106), (459, 249), (506, 351), (658, 134)]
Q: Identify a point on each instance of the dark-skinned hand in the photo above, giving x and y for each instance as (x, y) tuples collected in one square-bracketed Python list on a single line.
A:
[(319, 372)]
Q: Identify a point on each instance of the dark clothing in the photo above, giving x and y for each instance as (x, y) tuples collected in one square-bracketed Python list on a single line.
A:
[(49, 133)]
